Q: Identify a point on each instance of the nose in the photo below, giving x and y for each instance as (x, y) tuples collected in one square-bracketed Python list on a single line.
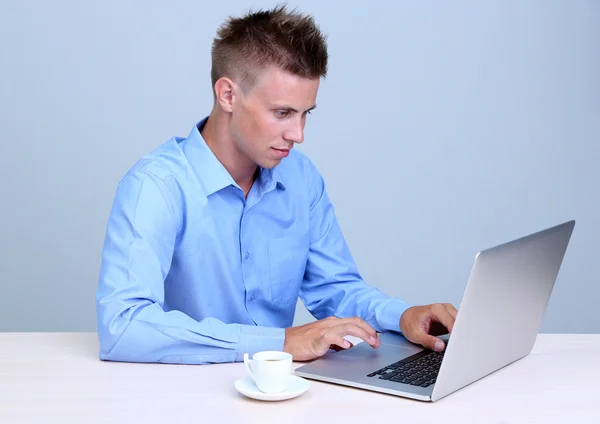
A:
[(295, 133)]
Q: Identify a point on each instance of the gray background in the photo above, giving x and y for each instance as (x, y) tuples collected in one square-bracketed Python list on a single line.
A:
[(442, 128)]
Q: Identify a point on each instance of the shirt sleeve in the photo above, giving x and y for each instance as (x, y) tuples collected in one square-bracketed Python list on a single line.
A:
[(332, 285), (138, 249)]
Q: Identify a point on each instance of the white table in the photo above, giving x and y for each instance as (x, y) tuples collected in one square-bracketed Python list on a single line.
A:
[(57, 377)]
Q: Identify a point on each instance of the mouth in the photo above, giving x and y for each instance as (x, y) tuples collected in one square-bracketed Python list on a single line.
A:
[(282, 153)]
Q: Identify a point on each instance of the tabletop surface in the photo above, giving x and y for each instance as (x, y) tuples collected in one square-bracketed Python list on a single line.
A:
[(57, 377)]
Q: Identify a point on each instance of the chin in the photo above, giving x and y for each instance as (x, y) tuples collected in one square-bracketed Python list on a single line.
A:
[(268, 161), (269, 164)]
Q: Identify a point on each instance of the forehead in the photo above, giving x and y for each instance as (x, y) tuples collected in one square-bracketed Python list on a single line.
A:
[(278, 87)]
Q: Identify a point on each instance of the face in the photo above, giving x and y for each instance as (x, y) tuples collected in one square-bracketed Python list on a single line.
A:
[(269, 120)]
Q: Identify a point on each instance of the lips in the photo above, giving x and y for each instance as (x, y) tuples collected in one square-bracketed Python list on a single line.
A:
[(281, 152)]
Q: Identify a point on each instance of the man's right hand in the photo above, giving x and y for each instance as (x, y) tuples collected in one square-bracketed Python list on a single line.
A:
[(313, 340)]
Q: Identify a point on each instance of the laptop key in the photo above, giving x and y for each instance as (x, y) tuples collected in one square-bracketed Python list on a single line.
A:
[(388, 376), (412, 358), (421, 366)]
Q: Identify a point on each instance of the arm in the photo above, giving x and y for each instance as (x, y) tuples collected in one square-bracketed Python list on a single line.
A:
[(132, 326), (332, 284)]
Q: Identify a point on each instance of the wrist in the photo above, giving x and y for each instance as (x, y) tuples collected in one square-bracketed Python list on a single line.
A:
[(286, 339)]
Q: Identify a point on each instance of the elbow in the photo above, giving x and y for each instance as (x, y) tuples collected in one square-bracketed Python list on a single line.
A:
[(114, 321), (111, 327)]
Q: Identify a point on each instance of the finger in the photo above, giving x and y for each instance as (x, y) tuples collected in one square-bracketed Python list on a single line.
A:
[(350, 329), (365, 331), (337, 348), (359, 322), (431, 342), (442, 315), (333, 340), (451, 310)]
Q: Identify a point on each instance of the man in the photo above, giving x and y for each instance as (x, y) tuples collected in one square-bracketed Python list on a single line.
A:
[(212, 238)]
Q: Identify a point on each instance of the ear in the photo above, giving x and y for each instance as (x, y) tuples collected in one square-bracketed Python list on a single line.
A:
[(225, 91)]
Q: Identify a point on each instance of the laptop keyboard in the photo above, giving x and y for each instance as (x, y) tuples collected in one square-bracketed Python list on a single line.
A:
[(420, 369)]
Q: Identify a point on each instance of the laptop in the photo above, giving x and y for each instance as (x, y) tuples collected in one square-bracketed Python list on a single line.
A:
[(497, 324)]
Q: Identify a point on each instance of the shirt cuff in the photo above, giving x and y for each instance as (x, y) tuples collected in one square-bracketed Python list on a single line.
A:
[(255, 339), (389, 318)]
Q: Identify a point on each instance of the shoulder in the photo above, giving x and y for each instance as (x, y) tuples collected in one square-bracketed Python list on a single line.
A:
[(165, 167), (164, 162), (153, 181)]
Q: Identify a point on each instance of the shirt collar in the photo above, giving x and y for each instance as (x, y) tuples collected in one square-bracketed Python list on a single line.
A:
[(210, 171), (270, 179)]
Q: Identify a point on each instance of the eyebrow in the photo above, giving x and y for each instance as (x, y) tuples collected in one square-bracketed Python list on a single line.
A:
[(313, 107)]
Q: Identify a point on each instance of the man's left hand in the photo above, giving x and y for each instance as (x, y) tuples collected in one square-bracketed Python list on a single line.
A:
[(420, 324)]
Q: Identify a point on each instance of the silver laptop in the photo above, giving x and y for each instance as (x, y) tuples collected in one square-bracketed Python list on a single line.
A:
[(498, 320)]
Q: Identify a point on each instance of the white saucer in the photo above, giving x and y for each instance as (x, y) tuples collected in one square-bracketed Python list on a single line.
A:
[(247, 387)]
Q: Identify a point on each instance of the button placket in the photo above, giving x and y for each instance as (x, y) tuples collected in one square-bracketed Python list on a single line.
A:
[(246, 265)]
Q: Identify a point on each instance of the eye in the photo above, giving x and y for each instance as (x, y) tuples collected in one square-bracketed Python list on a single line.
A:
[(282, 113)]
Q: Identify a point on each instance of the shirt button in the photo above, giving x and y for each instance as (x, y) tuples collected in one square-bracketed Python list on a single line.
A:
[(247, 255), (252, 296)]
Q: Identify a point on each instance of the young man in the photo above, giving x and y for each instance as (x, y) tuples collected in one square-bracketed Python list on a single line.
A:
[(212, 238)]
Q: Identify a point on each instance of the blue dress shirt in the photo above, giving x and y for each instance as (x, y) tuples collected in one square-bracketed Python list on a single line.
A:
[(193, 272)]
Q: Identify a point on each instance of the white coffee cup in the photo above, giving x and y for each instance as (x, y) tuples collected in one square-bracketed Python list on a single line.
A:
[(270, 370)]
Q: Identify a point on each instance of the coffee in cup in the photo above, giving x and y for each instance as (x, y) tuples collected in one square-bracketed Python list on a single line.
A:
[(270, 370)]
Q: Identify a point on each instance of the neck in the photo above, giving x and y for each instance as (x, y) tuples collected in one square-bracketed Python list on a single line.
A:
[(218, 138)]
